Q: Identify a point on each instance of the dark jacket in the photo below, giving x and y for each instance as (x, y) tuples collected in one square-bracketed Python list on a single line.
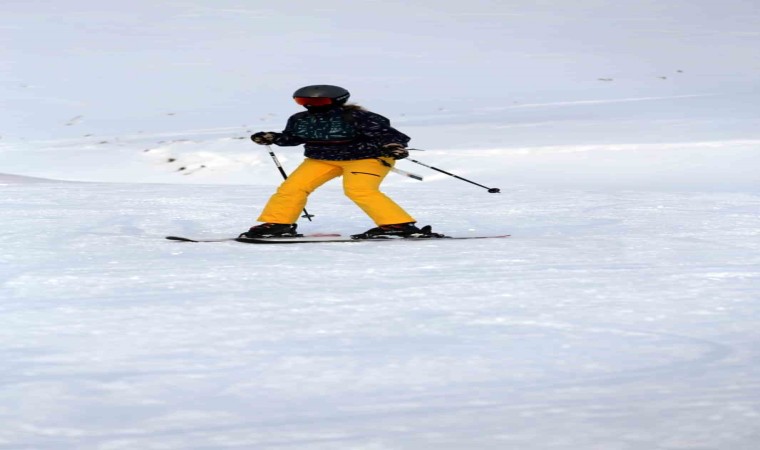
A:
[(340, 134)]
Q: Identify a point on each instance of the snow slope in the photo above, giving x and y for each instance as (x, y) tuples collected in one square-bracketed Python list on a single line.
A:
[(623, 313), (611, 319)]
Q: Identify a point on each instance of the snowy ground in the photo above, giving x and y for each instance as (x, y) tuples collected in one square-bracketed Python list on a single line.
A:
[(612, 318), (622, 314)]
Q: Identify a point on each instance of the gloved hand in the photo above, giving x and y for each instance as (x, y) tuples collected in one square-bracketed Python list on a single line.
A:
[(265, 137), (395, 151)]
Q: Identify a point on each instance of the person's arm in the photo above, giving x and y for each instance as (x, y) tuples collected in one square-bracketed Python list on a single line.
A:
[(283, 139), (379, 129)]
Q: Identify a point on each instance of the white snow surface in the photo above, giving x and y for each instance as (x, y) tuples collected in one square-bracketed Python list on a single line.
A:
[(623, 313)]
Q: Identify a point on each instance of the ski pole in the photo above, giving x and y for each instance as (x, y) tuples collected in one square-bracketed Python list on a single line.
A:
[(401, 172), (285, 176), (490, 190)]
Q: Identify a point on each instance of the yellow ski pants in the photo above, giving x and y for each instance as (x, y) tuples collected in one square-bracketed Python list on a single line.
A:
[(361, 183)]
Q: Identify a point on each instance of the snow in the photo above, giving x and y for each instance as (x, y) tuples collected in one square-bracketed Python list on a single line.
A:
[(622, 313)]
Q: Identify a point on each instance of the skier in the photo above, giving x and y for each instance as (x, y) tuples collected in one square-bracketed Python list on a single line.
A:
[(339, 140)]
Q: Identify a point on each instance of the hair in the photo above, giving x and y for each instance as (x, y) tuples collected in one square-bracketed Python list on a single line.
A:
[(354, 107)]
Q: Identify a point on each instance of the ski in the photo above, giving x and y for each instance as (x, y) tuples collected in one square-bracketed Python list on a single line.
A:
[(314, 240), (187, 239), (327, 238)]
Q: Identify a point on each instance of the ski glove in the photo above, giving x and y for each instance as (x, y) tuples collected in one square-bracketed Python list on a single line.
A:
[(265, 137), (395, 151)]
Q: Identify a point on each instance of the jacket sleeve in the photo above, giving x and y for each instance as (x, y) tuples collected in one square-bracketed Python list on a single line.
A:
[(286, 138), (378, 129)]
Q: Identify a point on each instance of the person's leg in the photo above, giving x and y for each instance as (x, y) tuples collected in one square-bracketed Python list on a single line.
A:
[(361, 183), (290, 199)]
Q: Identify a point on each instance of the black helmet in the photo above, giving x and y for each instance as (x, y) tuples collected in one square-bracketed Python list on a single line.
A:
[(324, 92)]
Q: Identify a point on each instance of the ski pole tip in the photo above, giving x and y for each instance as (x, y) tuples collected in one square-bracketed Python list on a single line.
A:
[(494, 190)]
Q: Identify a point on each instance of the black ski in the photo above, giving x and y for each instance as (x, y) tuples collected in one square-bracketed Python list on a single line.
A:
[(184, 239), (323, 239), (313, 240), (187, 239)]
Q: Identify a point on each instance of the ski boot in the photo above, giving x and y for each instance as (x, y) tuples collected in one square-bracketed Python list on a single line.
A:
[(398, 230), (266, 230)]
